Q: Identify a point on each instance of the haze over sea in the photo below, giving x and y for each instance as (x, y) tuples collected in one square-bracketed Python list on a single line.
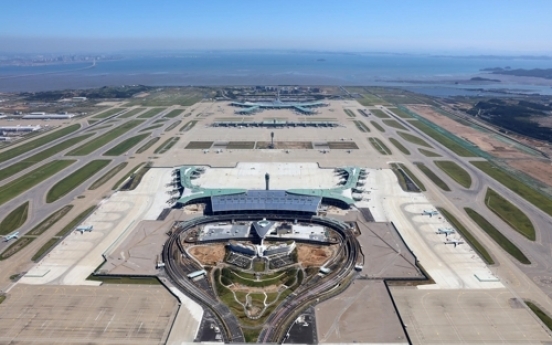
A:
[(421, 73)]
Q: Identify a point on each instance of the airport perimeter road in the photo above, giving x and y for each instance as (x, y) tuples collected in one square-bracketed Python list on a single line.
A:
[(39, 209), (513, 274)]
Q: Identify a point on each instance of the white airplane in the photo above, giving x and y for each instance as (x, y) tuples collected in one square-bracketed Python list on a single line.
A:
[(445, 232), (455, 242), (11, 236), (429, 213), (84, 229)]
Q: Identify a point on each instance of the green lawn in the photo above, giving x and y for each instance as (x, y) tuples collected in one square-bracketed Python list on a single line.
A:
[(107, 113), (76, 221), (131, 113), (45, 248), (444, 140), (39, 157), (31, 145), (369, 99), (189, 125), (51, 220), (14, 219), (413, 177), (517, 186), (428, 153), (497, 236), (125, 280), (174, 113), (74, 180), (147, 145), (468, 236), (509, 213), (130, 174), (361, 126), (400, 113), (455, 172), (31, 179), (547, 320), (394, 124), (414, 139), (172, 126), (126, 145), (379, 113), (151, 127), (399, 146), (103, 139), (349, 113), (379, 146), (99, 182), (151, 113), (166, 146), (377, 125), (431, 175)]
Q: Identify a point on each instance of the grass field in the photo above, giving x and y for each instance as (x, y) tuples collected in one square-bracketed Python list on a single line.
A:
[(349, 113), (400, 113), (39, 157), (414, 139), (379, 113), (378, 127), (361, 126), (45, 248), (151, 127), (413, 177), (130, 174), (443, 140), (76, 221), (455, 172), (369, 99), (174, 113), (509, 213), (151, 113), (428, 153), (107, 113), (517, 186), (166, 146), (547, 320), (74, 180), (189, 125), (14, 219), (468, 236), (108, 176), (240, 145), (147, 145), (497, 236), (22, 242), (103, 139), (399, 146), (31, 179), (379, 146), (394, 124), (131, 113), (199, 145), (135, 177), (431, 175), (31, 145), (126, 145), (173, 125)]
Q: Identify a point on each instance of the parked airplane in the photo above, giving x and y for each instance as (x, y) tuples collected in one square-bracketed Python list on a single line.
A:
[(429, 213), (11, 236), (445, 232), (82, 229), (455, 242)]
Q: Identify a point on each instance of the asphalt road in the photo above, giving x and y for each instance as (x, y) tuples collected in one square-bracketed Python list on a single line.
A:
[(39, 209)]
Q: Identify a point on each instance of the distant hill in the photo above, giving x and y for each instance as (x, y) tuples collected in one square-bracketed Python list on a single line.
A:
[(537, 72)]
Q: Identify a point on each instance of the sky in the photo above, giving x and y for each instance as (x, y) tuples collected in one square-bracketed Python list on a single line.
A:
[(436, 27)]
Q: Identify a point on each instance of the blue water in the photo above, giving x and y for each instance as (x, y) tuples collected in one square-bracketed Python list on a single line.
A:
[(242, 68)]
